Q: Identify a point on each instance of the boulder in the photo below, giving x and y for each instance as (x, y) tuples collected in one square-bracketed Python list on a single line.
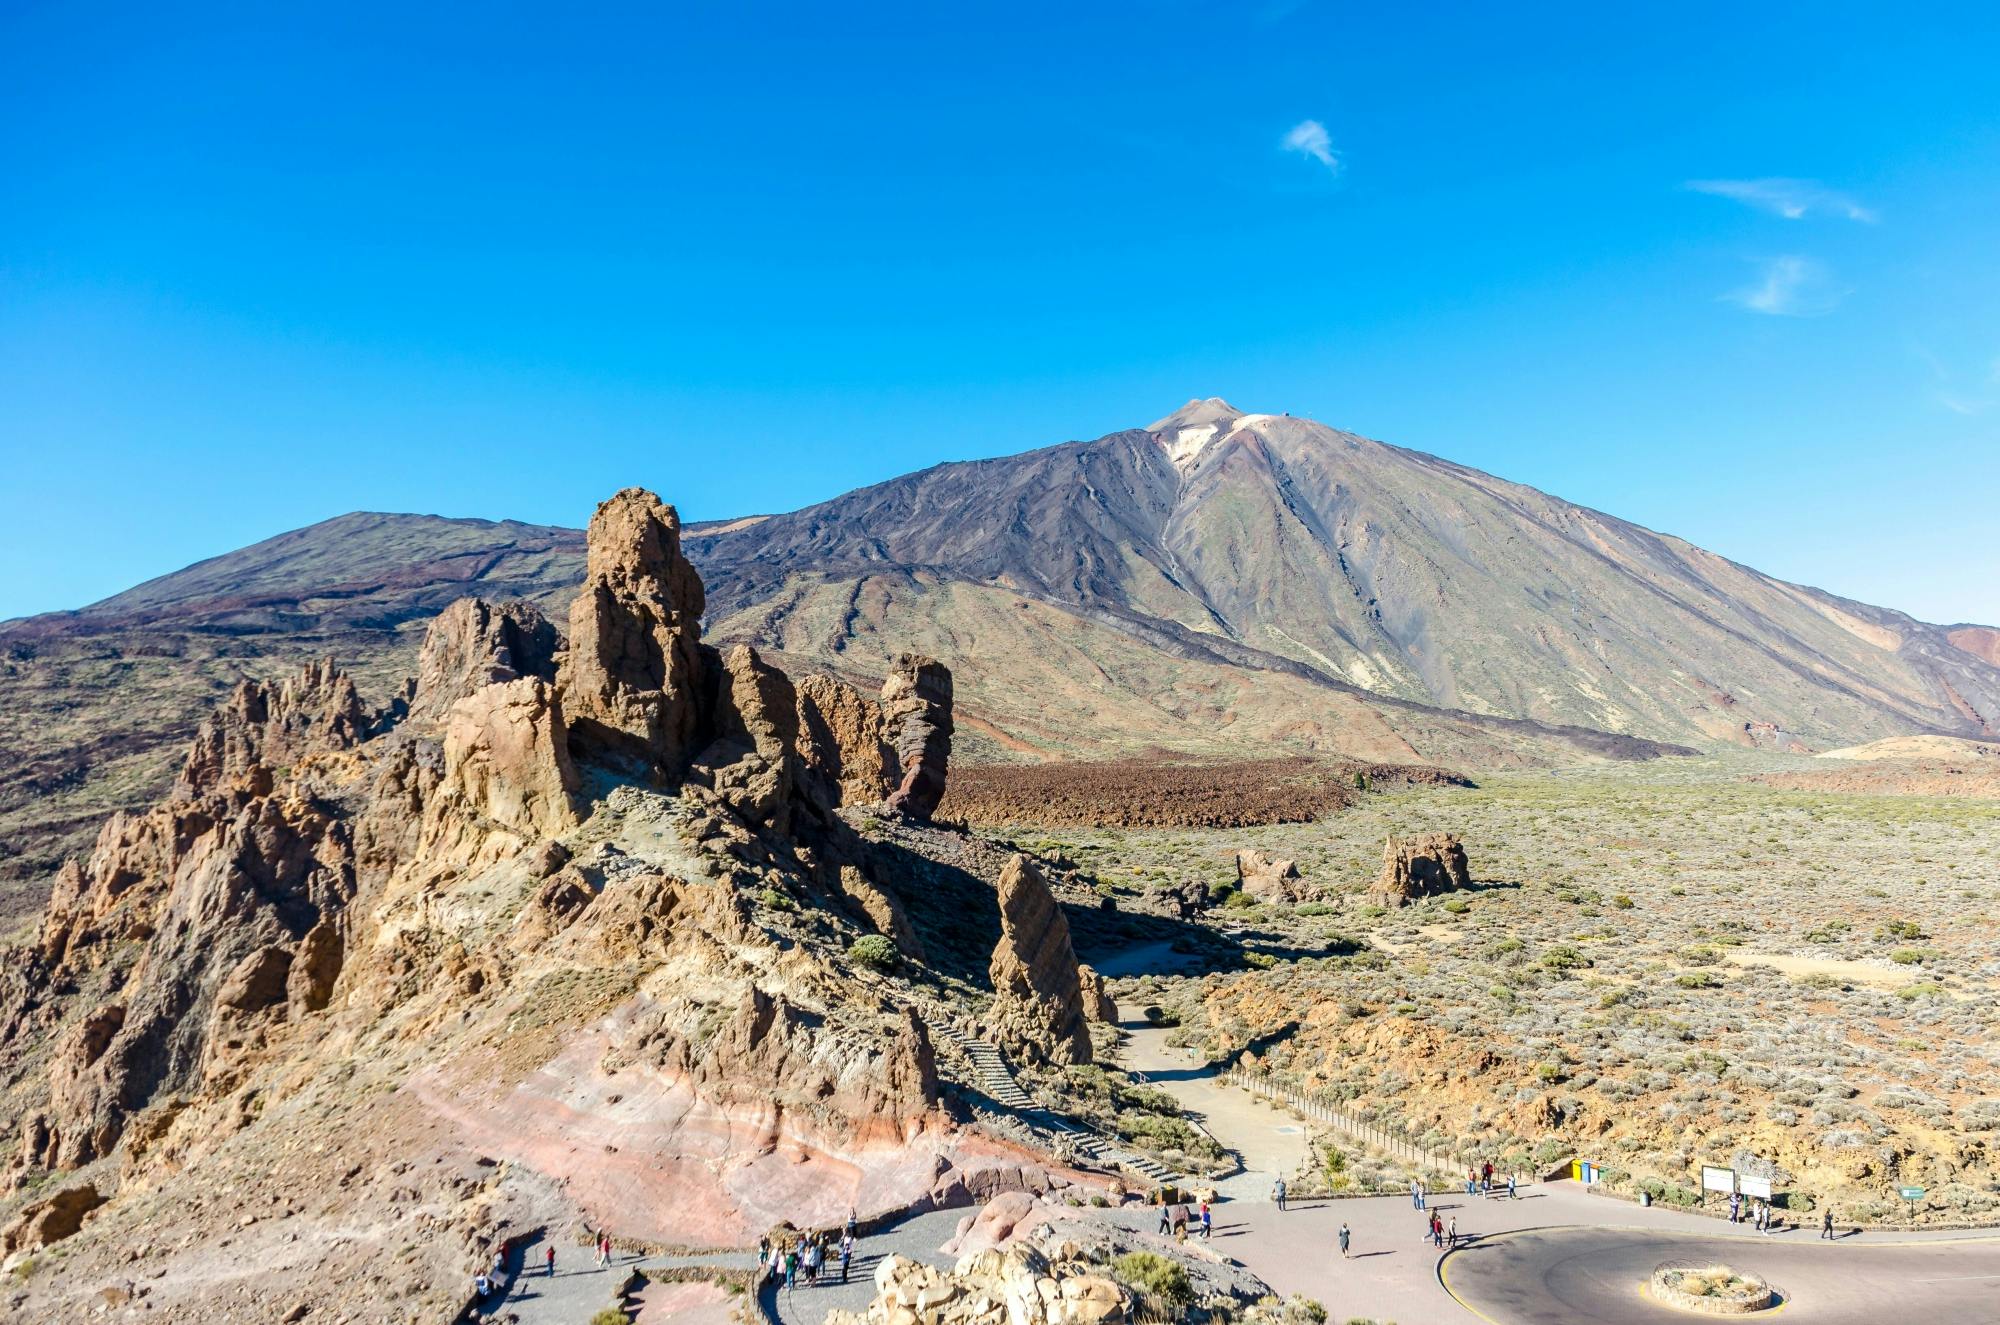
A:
[(473, 644), (631, 682), (1038, 1008), (51, 1219), (916, 708), (1415, 867), (1266, 879)]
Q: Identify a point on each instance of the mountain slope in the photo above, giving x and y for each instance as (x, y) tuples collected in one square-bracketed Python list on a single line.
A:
[(1217, 582), (1260, 537)]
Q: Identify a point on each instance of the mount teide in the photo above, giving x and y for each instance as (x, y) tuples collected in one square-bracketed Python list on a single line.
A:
[(1217, 582)]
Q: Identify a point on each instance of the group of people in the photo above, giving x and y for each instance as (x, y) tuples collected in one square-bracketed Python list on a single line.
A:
[(806, 1258), (1175, 1220), (1441, 1232), (1479, 1182)]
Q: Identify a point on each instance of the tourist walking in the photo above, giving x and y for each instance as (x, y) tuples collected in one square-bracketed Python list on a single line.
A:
[(1167, 1216), (791, 1269), (1416, 1195), (1826, 1224), (1510, 1188), (846, 1253), (1451, 1233), (1344, 1239), (1486, 1176), (1207, 1222), (1278, 1194), (1471, 1181), (1735, 1205), (549, 1260), (1437, 1229)]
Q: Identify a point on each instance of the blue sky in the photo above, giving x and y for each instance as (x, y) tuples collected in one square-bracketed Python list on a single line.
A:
[(1729, 274)]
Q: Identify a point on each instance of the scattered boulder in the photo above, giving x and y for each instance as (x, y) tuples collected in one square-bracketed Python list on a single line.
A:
[(50, 1220), (916, 706), (1038, 1006), (1414, 867), (631, 682), (1188, 899), (1017, 1286), (1266, 879), (473, 644)]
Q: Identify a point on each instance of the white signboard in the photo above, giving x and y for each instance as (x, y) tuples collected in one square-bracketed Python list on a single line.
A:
[(1717, 1180), (1757, 1187)]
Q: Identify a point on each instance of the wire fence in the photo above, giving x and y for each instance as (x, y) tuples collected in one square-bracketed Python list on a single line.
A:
[(1318, 1106)]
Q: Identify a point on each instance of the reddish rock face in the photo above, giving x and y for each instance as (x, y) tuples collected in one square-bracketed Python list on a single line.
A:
[(916, 707), (631, 682), (1038, 1005)]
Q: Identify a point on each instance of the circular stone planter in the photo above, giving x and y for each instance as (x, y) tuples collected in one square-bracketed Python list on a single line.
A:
[(1714, 1290)]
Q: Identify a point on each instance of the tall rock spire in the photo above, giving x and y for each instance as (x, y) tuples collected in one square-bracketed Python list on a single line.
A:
[(631, 683)]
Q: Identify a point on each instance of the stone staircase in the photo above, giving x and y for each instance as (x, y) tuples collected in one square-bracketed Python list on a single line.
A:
[(997, 1080)]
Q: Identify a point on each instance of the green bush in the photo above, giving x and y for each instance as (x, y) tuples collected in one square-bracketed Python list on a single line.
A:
[(1697, 980), (1623, 901), (609, 1316), (777, 901), (1152, 1273), (1565, 957), (877, 952)]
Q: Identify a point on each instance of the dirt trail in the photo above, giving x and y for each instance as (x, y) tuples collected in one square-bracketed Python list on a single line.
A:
[(1266, 1141)]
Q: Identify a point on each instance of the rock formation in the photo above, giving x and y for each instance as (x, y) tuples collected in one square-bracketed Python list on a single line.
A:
[(473, 644), (485, 954), (1416, 867), (1098, 1004), (916, 706), (1015, 1286), (1266, 879), (846, 751), (632, 680), (1038, 1008)]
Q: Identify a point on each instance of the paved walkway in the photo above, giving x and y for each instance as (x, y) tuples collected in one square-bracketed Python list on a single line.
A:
[(1597, 1276), (1267, 1141)]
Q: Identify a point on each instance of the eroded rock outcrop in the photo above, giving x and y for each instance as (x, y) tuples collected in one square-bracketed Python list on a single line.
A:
[(1415, 867), (1266, 879), (1098, 1004), (916, 707), (632, 680), (263, 727), (507, 760), (473, 644), (1038, 1006), (847, 754)]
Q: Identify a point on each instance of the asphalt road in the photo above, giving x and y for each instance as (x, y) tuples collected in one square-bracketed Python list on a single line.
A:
[(1593, 1276)]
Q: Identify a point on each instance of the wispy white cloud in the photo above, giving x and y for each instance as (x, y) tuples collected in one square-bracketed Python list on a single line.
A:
[(1793, 199), (1790, 286), (1310, 138)]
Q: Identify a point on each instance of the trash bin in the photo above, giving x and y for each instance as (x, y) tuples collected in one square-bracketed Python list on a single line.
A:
[(1645, 1198)]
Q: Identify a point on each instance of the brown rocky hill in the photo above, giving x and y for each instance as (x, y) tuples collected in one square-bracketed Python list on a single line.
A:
[(565, 937), (1219, 583)]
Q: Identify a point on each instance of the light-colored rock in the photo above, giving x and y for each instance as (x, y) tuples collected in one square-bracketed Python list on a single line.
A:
[(1266, 879), (507, 758)]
